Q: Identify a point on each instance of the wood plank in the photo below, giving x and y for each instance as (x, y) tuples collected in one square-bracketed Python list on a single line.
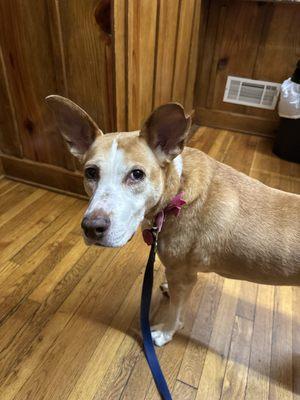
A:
[(129, 354), (232, 42), (4, 182), (168, 10), (14, 197), (43, 290), (245, 147), (119, 371), (11, 328), (281, 371), (119, 41), (47, 323), (283, 18), (260, 358), (9, 136), (65, 362), (183, 392), (59, 217), (277, 181), (235, 121), (193, 57), (21, 205), (44, 175), (196, 351), (7, 269), (296, 343), (221, 145), (36, 251), (26, 46), (203, 139), (247, 300), (183, 40), (266, 161), (13, 294), (12, 241), (215, 361), (279, 18), (85, 57), (141, 25), (45, 215), (7, 186), (57, 47), (240, 39), (171, 356), (208, 39), (92, 376), (236, 372)]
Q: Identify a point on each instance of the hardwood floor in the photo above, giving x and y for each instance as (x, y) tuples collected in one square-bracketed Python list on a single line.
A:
[(69, 314)]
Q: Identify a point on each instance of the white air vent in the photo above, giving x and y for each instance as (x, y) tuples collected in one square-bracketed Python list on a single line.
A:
[(250, 92)]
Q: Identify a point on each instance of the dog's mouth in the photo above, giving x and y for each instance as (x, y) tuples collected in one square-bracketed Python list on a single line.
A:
[(103, 243)]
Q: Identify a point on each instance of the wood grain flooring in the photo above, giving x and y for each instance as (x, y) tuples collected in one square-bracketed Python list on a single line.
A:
[(69, 313)]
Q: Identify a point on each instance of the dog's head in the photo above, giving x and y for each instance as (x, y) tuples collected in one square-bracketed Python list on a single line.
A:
[(124, 173)]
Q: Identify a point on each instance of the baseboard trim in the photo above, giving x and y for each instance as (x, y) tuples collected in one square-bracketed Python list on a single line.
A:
[(235, 122), (43, 175)]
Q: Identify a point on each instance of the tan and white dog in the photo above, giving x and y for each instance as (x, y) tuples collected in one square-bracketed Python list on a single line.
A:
[(232, 224)]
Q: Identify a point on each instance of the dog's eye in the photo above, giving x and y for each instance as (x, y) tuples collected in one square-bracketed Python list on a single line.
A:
[(91, 173), (137, 174)]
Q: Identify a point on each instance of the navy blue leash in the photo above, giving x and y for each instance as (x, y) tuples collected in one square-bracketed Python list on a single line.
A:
[(149, 350)]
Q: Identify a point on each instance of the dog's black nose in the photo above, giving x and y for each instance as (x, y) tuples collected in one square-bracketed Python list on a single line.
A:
[(94, 227)]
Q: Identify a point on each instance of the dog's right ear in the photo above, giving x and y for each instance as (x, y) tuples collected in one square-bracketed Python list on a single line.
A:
[(75, 125), (166, 131)]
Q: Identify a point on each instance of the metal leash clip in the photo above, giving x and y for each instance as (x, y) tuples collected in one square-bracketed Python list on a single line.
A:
[(154, 231)]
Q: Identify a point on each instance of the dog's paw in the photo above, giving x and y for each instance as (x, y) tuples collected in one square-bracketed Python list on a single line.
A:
[(161, 337)]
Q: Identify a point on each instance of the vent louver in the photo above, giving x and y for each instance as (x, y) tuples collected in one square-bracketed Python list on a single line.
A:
[(251, 92)]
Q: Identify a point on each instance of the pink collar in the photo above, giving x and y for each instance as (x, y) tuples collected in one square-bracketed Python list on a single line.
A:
[(173, 208)]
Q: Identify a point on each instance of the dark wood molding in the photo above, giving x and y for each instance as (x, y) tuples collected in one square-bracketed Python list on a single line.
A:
[(1, 168), (44, 175), (236, 122)]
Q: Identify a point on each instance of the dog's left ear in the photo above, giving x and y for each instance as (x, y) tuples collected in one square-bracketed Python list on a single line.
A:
[(166, 131)]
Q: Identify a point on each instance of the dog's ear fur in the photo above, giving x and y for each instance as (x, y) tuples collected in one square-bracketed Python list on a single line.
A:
[(75, 125), (166, 131)]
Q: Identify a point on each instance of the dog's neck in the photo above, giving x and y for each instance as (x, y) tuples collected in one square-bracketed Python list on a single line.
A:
[(172, 186), (190, 173)]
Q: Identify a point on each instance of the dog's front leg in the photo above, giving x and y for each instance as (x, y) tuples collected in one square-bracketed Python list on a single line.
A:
[(180, 285)]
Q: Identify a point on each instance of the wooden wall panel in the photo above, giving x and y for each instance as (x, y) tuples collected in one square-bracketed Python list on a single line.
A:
[(183, 45), (9, 138), (86, 52), (279, 48), (257, 40), (67, 47), (157, 52), (167, 33), (193, 57), (236, 48), (141, 36), (27, 53), (120, 50)]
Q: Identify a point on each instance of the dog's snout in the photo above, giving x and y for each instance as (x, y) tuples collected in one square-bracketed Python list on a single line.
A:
[(95, 227)]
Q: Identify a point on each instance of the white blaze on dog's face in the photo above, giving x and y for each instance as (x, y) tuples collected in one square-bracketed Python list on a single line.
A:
[(123, 172)]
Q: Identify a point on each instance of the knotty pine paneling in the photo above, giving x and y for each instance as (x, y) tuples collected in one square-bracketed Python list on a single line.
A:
[(156, 50), (116, 59), (257, 40), (27, 54)]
